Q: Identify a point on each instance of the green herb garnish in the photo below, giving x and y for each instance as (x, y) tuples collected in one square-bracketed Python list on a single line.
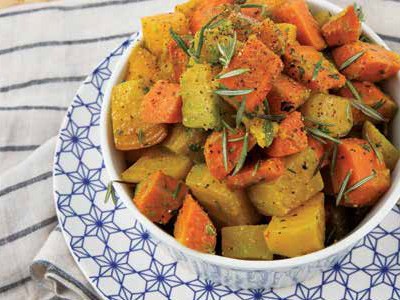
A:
[(317, 68), (201, 36), (368, 111), (226, 92), (256, 168), (351, 60), (334, 158), (361, 182), (291, 171), (315, 132), (181, 43), (240, 112), (225, 148), (379, 104), (359, 12), (255, 5), (210, 230), (227, 126), (243, 154), (343, 187), (227, 51), (353, 90), (274, 118), (373, 146), (321, 161), (232, 73), (177, 190), (239, 139)]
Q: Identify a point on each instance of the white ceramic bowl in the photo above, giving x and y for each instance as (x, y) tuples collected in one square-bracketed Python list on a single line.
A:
[(242, 273)]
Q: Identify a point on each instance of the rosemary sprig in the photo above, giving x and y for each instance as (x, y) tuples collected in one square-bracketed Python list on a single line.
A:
[(177, 190), (353, 90), (180, 42), (243, 154), (232, 73), (360, 183), (240, 112), (227, 92), (229, 127), (111, 190), (254, 5), (321, 161), (317, 68), (315, 132), (343, 187), (227, 51), (379, 104), (256, 167), (225, 148), (359, 12), (373, 146), (201, 36), (351, 60), (334, 159), (239, 139), (274, 118)]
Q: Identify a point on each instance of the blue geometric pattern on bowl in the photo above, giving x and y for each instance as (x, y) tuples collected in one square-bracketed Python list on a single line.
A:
[(123, 261)]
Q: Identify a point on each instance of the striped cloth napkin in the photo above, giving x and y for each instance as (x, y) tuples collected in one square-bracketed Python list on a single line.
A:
[(45, 52)]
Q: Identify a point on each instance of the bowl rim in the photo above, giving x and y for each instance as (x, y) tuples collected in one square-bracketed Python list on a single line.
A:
[(387, 202)]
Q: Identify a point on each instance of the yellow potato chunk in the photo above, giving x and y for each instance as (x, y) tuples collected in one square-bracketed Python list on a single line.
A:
[(129, 131), (299, 233)]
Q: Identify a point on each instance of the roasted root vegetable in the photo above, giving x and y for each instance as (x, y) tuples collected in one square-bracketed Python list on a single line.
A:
[(319, 149), (266, 170), (226, 207), (200, 105), (156, 29), (322, 17), (205, 11), (159, 197), (270, 34), (307, 65), (343, 28), (286, 95), (300, 232), (169, 163), (142, 66), (162, 104), (331, 114), (173, 62), (188, 8), (194, 229), (263, 131), (245, 242), (375, 63), (389, 152), (289, 33), (296, 12), (372, 96), (263, 65), (299, 183), (291, 137), (368, 177), (221, 161), (129, 131)]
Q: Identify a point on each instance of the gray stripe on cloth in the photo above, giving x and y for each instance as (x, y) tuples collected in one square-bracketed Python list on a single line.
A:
[(35, 82), (17, 148), (25, 183), (63, 43), (27, 231), (68, 8), (51, 268), (389, 37), (14, 285), (33, 107)]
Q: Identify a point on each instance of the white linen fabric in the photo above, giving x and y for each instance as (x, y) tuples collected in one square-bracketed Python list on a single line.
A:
[(46, 50)]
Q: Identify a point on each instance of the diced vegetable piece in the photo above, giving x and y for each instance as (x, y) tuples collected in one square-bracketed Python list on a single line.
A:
[(226, 207), (142, 66), (187, 8), (319, 150), (263, 131), (291, 137), (289, 33), (296, 12), (186, 141), (307, 65), (245, 242), (211, 37), (331, 110), (322, 17), (132, 156), (269, 33), (375, 64), (372, 96), (193, 227), (269, 4), (130, 132), (293, 188), (299, 233), (205, 11), (214, 153), (159, 197), (286, 95), (358, 157), (390, 153), (343, 28), (241, 23), (162, 104), (264, 67), (173, 62), (156, 30), (200, 106), (267, 170), (169, 163)]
